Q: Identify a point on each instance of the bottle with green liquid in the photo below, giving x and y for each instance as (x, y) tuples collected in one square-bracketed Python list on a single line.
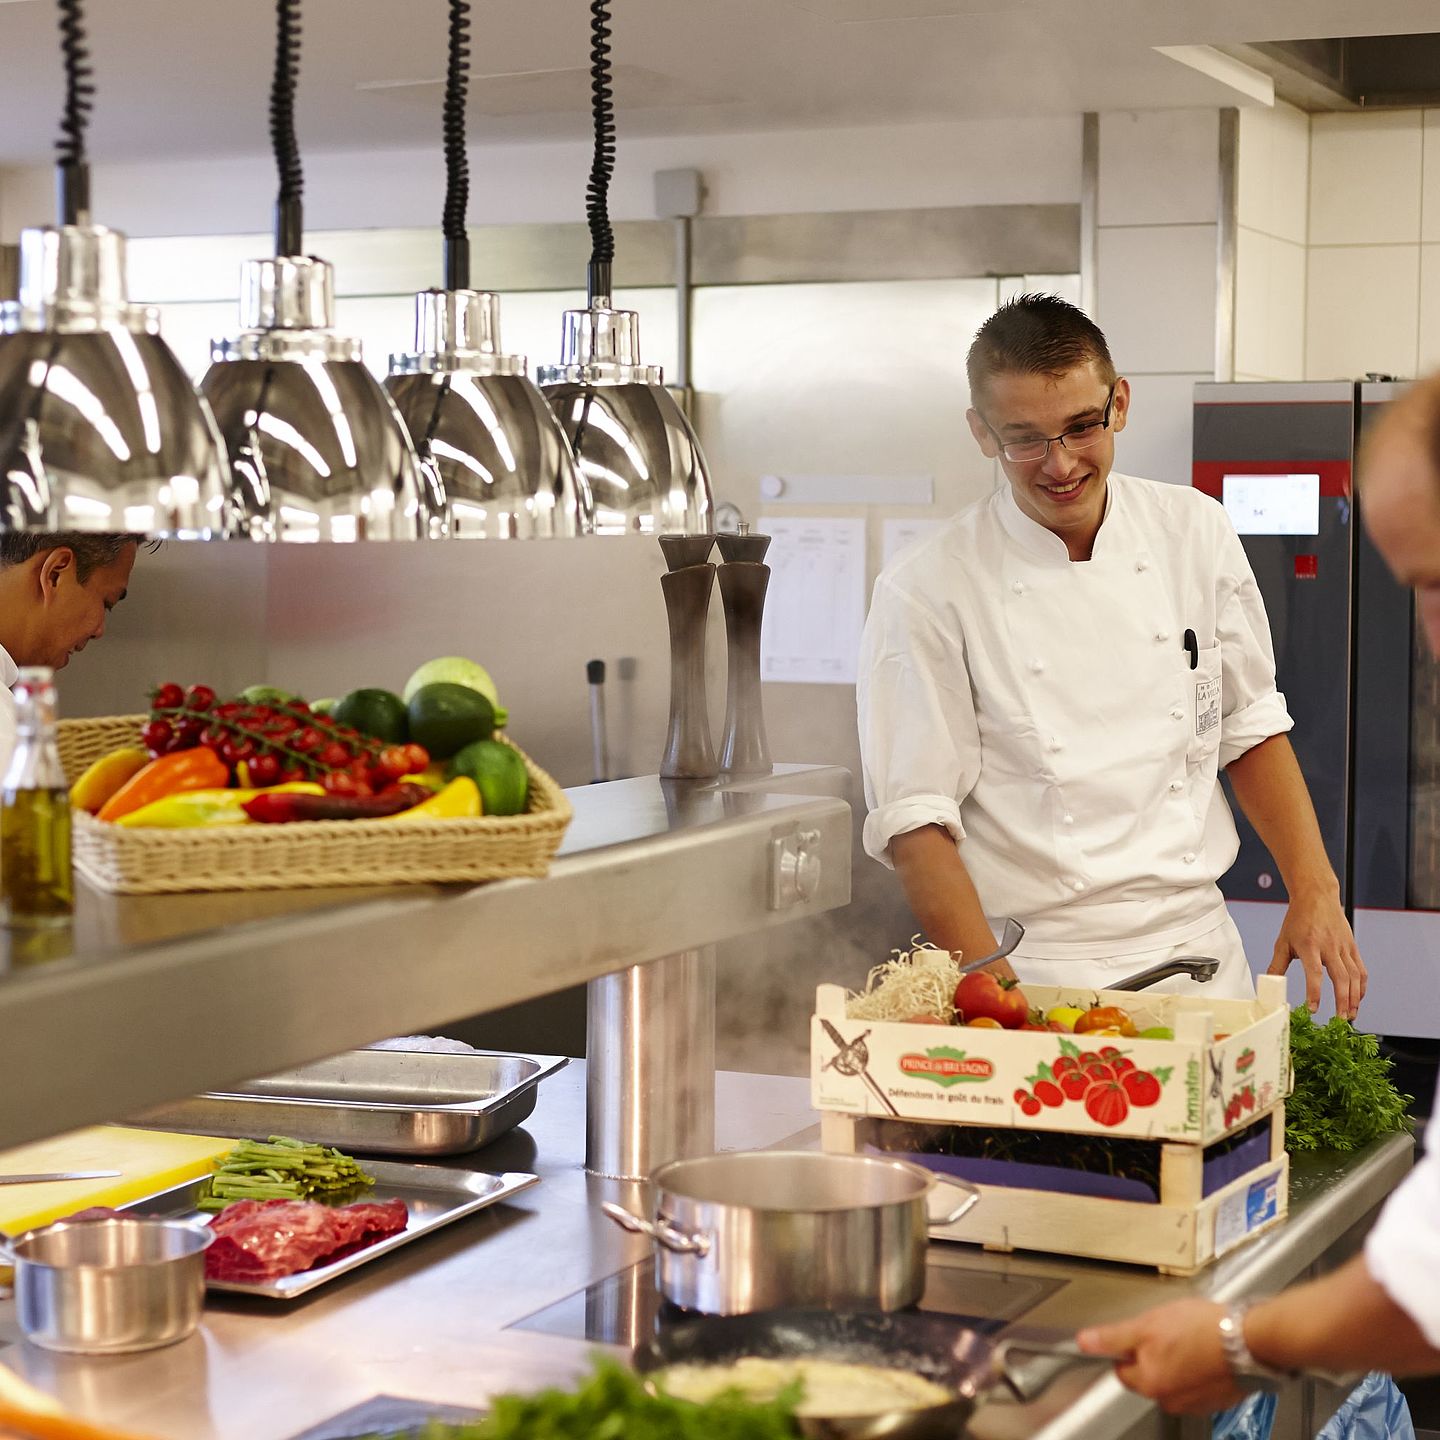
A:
[(37, 888)]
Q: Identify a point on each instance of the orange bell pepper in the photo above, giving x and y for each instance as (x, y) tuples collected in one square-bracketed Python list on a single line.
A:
[(198, 769)]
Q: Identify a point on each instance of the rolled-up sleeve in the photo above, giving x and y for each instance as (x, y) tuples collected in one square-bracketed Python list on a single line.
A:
[(1252, 709), (1402, 1252), (919, 741)]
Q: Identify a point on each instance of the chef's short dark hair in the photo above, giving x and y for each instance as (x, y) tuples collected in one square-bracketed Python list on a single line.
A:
[(1036, 335), (92, 552)]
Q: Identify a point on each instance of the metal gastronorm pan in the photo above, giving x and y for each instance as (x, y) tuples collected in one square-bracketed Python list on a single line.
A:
[(377, 1102), (433, 1195)]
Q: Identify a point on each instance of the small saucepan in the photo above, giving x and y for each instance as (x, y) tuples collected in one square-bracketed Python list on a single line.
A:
[(769, 1229), (962, 1362), (109, 1286)]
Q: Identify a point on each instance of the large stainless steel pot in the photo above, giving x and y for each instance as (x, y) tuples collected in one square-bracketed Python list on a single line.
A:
[(103, 1287), (770, 1229)]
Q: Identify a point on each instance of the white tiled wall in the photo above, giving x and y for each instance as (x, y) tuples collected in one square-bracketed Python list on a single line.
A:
[(1373, 259), (1272, 226), (1155, 283)]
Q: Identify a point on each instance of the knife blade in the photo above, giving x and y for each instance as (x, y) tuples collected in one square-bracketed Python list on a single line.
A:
[(44, 1179)]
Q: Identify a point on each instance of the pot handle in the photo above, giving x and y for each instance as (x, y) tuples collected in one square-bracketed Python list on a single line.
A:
[(677, 1241), (971, 1198)]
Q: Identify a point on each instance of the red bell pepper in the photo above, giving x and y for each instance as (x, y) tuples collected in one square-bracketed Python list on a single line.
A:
[(272, 809)]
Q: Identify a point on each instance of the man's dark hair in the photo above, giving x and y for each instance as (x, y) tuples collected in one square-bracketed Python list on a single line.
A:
[(1036, 335), (92, 552)]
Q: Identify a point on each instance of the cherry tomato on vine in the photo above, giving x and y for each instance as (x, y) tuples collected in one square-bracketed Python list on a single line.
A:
[(199, 697), (156, 736), (265, 770), (167, 697)]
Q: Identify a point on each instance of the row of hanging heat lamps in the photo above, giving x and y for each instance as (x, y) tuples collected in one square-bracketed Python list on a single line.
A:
[(290, 437)]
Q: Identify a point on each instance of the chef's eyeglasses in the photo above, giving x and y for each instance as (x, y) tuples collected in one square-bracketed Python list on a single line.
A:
[(1082, 437)]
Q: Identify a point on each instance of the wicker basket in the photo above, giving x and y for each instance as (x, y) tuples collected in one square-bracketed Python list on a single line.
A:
[(306, 854)]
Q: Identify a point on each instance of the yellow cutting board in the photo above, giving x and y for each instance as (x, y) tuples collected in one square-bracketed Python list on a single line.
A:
[(148, 1160)]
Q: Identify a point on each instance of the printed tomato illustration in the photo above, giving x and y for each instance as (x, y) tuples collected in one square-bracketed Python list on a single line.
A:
[(1021, 1096), (1141, 1087), (1074, 1084), (1105, 1102), (1064, 1065), (1122, 1065), (1100, 1071), (1030, 1106), (1047, 1092)]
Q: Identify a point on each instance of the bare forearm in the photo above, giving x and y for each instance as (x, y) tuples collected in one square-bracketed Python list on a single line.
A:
[(1343, 1322), (941, 892), (1272, 793)]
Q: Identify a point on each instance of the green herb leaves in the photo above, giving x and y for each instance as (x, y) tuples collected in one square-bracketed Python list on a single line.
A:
[(614, 1404), (1343, 1096)]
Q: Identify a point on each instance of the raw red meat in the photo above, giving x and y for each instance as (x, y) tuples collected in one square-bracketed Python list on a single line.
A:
[(264, 1239)]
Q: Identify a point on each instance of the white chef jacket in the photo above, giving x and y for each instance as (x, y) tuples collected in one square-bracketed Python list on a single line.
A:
[(9, 673), (1045, 712), (1402, 1252)]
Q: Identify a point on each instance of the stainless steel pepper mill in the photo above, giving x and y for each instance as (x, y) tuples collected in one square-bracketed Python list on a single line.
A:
[(689, 753), (744, 578)]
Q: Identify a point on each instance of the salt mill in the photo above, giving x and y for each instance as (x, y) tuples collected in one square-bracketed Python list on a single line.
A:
[(689, 753), (743, 582)]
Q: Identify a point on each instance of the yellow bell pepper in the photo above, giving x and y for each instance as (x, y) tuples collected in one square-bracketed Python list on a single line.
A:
[(194, 808), (459, 800), (106, 776)]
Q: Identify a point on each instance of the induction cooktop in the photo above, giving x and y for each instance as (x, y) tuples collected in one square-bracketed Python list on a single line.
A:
[(625, 1308)]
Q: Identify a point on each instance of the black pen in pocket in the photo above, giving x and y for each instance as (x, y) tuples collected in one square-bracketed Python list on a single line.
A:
[(1192, 646)]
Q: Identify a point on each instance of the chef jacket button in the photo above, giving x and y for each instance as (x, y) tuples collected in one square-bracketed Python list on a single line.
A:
[(1188, 857), (1142, 564), (1056, 745), (1067, 819), (1177, 714), (1177, 785), (1038, 666), (1018, 587), (1077, 885), (1162, 634)]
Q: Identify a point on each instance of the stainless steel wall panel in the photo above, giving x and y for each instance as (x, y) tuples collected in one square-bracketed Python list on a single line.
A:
[(887, 244)]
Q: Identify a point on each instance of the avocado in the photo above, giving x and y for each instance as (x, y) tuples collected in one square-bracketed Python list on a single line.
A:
[(445, 718), (377, 713)]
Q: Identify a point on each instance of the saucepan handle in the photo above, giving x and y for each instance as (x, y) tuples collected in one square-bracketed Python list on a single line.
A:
[(970, 1197), (670, 1237), (1200, 968), (1012, 934)]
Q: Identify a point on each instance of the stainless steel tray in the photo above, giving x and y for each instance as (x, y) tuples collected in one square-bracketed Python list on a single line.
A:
[(433, 1195), (377, 1102)]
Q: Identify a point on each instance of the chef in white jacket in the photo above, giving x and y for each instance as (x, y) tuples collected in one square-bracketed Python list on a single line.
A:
[(1051, 683), (55, 593)]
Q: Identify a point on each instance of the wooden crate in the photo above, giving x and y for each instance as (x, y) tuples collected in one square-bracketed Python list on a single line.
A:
[(1179, 1235), (1207, 1087), (1216, 1131)]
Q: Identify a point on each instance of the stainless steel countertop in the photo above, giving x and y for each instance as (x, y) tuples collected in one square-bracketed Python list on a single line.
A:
[(429, 1321), (214, 988)]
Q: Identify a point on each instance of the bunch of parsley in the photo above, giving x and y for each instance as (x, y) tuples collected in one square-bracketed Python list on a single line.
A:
[(612, 1403), (1343, 1096)]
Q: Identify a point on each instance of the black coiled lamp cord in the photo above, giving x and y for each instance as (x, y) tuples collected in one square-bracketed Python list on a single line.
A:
[(289, 212), (457, 168), (73, 179), (597, 193)]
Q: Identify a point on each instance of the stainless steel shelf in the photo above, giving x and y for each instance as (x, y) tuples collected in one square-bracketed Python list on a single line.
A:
[(152, 998)]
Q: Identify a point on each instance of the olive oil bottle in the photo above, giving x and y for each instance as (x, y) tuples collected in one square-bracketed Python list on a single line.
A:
[(37, 887)]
